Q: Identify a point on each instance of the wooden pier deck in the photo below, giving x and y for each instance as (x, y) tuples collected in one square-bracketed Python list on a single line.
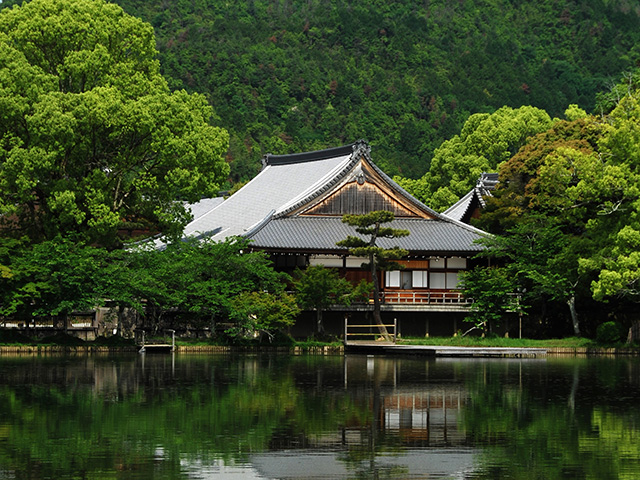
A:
[(389, 348), (156, 348)]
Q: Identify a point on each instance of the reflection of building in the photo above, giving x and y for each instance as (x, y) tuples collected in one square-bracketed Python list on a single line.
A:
[(412, 432), (420, 414), (425, 417)]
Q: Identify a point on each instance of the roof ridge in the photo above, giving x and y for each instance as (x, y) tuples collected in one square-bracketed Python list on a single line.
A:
[(312, 156), (259, 225)]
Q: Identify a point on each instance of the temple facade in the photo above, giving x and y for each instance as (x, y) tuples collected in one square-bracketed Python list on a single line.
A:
[(293, 210)]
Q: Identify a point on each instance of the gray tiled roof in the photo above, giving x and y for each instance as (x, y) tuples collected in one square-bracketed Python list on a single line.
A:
[(459, 209), (260, 210), (322, 233), (202, 207), (475, 197), (274, 188)]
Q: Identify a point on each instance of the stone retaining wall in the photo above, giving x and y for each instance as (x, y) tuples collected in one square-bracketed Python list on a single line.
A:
[(569, 351), (46, 349), (327, 350)]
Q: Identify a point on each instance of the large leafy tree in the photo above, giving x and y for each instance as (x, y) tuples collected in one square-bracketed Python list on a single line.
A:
[(198, 280), (92, 140), (262, 313), (617, 227), (486, 141), (318, 288), (371, 225), (538, 259), (580, 181), (491, 290), (52, 278), (521, 190)]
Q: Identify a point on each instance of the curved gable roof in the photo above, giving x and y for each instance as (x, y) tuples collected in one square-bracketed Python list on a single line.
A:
[(290, 185), (284, 180)]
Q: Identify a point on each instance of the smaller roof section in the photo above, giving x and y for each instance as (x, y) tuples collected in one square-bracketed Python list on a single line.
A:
[(469, 205)]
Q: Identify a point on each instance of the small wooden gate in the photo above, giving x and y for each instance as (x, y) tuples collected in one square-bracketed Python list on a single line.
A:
[(363, 332)]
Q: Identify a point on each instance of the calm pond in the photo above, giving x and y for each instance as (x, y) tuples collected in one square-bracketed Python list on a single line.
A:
[(313, 417)]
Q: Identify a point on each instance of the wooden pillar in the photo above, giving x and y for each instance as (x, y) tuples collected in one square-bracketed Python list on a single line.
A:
[(426, 334)]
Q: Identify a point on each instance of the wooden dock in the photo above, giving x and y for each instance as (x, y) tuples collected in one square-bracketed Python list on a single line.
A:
[(156, 348), (390, 348)]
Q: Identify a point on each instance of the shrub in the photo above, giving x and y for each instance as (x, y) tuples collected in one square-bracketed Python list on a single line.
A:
[(609, 332)]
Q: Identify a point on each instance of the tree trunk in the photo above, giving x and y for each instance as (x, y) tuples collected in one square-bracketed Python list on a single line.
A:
[(319, 321), (120, 321), (571, 302), (376, 301)]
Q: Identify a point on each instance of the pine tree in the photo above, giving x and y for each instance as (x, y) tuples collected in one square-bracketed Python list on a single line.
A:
[(380, 259)]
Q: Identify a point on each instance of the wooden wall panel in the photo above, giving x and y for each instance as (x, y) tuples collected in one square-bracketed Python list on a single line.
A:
[(359, 199)]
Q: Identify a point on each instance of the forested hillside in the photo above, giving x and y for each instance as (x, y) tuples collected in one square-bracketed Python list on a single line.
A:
[(292, 75)]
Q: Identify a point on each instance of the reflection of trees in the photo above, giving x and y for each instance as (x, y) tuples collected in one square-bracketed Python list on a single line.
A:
[(413, 404), (564, 419), (119, 416), (531, 419)]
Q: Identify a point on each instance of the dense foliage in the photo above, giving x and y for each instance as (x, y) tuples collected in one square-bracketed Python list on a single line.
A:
[(318, 288), (92, 141), (99, 139), (292, 75), (485, 142), (566, 212)]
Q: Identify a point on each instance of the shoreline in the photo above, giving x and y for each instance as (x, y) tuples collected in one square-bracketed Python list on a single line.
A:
[(318, 350)]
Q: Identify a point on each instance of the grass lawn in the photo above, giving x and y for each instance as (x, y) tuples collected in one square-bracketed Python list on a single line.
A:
[(12, 337), (569, 342)]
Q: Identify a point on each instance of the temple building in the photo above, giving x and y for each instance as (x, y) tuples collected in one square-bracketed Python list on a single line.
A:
[(470, 205), (293, 211)]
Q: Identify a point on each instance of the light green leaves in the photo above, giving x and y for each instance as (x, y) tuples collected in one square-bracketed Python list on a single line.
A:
[(486, 140), (89, 131)]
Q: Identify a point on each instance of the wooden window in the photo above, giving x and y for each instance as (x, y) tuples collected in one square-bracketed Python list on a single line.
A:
[(420, 278), (392, 279), (437, 280), (452, 279), (457, 262)]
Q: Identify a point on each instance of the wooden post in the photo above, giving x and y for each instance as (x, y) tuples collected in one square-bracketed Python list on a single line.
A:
[(346, 320), (395, 329), (173, 340), (142, 349)]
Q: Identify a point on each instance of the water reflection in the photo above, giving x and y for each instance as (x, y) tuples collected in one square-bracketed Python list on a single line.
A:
[(184, 416)]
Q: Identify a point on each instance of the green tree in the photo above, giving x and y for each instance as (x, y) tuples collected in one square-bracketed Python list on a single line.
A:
[(91, 139), (380, 258), (541, 260), (198, 280), (318, 288), (491, 290), (568, 143), (617, 225), (54, 278), (262, 313), (486, 141)]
